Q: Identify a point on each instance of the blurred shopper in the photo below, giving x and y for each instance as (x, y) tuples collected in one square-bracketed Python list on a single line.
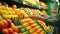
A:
[(52, 21)]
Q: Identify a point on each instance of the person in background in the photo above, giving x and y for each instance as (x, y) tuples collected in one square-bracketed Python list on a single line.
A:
[(49, 20)]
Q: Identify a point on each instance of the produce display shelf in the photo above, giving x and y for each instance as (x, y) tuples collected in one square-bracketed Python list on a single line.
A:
[(40, 26), (11, 2)]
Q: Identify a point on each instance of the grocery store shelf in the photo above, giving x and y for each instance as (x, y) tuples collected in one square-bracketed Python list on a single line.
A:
[(21, 4), (11, 2), (43, 0)]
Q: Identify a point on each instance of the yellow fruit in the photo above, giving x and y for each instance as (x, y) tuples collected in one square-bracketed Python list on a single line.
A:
[(39, 31), (11, 12), (14, 6), (37, 27), (0, 8), (43, 5), (31, 14), (6, 16), (43, 25), (9, 16), (0, 17), (33, 25), (3, 12), (31, 22), (26, 20), (35, 33), (42, 32), (26, 24), (32, 31), (0, 3), (5, 4), (44, 12), (37, 11), (29, 27), (26, 16)]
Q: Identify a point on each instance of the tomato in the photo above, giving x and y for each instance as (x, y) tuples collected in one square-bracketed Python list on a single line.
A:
[(5, 31), (10, 30), (15, 28), (9, 22), (1, 25), (5, 23), (15, 33)]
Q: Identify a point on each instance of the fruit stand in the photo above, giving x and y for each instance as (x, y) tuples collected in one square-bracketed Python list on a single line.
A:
[(15, 17)]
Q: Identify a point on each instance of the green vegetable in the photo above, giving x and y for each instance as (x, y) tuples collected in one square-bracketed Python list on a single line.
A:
[(27, 11), (22, 29), (26, 32), (16, 21)]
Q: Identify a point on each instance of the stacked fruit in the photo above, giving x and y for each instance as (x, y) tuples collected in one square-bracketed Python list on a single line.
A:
[(22, 29), (20, 12), (26, 12), (33, 28), (44, 25), (40, 21), (42, 4), (32, 3), (1, 17), (7, 27), (35, 11), (6, 11)]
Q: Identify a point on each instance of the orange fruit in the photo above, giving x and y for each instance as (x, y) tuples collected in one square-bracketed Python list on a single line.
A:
[(1, 25), (15, 28), (5, 23), (10, 30), (15, 33), (9, 22), (14, 6), (5, 31)]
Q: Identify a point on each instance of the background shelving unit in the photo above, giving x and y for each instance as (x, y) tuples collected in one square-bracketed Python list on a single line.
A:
[(20, 4)]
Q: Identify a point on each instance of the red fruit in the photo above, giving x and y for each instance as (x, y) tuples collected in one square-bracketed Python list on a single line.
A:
[(15, 33), (9, 22), (1, 25), (10, 30), (15, 28), (5, 31), (5, 23)]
